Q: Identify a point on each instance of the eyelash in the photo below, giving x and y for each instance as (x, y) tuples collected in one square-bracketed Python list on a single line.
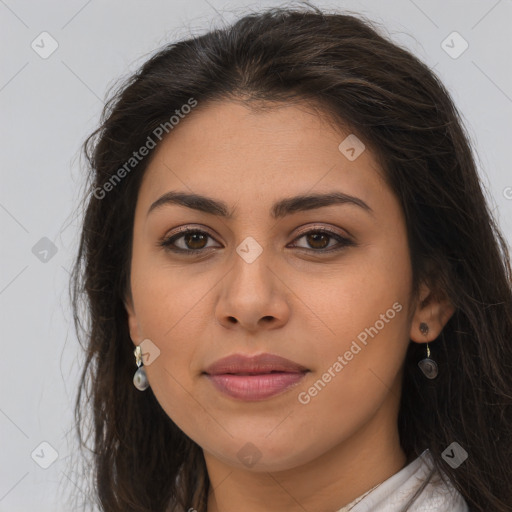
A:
[(166, 243)]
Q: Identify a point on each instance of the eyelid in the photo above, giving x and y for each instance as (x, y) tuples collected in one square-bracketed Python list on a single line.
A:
[(168, 240), (187, 228), (343, 241), (321, 227), (305, 230)]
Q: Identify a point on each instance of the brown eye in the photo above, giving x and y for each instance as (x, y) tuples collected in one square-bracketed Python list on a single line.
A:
[(318, 240), (192, 240), (195, 240)]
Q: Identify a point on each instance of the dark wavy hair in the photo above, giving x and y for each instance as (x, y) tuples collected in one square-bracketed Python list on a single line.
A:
[(339, 64)]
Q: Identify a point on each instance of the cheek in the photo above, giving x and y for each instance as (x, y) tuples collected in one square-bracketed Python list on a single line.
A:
[(358, 372), (169, 297), (172, 322), (370, 291), (364, 320), (170, 306)]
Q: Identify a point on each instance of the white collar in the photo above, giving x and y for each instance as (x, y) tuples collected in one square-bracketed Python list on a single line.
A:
[(392, 494)]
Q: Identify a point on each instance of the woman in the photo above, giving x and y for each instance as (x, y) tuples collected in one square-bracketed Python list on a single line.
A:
[(298, 298)]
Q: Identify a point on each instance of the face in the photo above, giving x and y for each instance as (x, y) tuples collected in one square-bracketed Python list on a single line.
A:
[(324, 285)]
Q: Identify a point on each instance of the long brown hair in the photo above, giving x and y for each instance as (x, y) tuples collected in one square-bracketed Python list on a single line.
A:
[(394, 103)]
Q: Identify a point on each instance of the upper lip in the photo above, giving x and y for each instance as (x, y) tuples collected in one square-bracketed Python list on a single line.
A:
[(257, 364)]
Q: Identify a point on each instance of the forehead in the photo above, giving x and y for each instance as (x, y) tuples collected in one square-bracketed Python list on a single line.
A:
[(231, 150)]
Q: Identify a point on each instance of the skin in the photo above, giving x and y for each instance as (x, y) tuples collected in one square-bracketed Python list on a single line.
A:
[(301, 305)]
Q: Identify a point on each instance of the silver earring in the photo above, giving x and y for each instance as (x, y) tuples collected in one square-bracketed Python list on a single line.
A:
[(427, 365), (140, 379)]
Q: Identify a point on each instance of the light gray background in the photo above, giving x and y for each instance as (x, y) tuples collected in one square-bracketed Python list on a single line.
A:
[(48, 106)]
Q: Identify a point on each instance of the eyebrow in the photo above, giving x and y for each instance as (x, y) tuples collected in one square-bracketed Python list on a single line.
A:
[(280, 209)]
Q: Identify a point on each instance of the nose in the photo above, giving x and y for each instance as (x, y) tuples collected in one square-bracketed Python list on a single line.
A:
[(253, 296)]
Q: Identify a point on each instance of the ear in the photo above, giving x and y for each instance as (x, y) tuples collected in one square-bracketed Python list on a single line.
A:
[(133, 324), (434, 311)]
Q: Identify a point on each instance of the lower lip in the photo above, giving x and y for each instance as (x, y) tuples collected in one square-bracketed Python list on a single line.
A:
[(254, 387)]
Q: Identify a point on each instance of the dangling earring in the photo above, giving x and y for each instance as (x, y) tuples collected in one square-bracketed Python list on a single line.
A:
[(427, 366), (140, 379)]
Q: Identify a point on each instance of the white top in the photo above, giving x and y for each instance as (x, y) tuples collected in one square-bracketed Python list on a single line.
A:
[(392, 494)]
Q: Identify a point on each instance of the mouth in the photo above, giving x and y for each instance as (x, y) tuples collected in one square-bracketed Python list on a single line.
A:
[(240, 364), (253, 373), (254, 377)]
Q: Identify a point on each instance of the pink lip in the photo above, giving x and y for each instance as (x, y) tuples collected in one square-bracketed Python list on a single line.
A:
[(254, 377)]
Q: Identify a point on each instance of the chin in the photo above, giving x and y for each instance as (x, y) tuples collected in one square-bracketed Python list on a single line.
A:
[(261, 454)]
